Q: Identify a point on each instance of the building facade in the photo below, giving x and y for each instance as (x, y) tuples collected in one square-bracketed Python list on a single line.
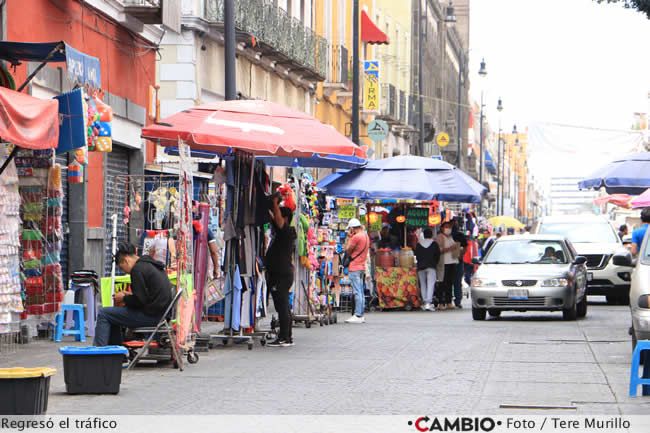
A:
[(126, 49)]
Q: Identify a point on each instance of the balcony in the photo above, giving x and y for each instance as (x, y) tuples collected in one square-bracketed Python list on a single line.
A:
[(388, 105), (147, 11), (339, 78), (277, 35)]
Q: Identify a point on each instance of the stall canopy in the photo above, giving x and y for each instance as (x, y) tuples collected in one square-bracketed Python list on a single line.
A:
[(370, 33), (259, 127), (406, 177), (81, 68), (28, 122), (627, 175)]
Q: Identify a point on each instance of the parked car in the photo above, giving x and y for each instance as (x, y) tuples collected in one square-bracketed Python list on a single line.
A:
[(595, 238), (530, 272), (639, 291)]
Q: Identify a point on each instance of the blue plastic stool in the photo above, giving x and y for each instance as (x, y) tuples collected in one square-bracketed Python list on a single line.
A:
[(635, 380), (79, 328)]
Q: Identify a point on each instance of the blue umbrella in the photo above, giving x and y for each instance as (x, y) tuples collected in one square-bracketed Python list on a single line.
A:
[(407, 177), (330, 178), (627, 175)]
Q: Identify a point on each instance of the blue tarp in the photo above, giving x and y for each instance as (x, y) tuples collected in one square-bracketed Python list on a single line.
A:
[(82, 68), (627, 175), (72, 130), (489, 163), (407, 177)]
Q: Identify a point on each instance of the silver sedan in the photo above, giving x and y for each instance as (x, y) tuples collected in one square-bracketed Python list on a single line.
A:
[(531, 272)]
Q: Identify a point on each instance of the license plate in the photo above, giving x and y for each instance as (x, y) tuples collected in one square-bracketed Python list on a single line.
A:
[(590, 276), (518, 295)]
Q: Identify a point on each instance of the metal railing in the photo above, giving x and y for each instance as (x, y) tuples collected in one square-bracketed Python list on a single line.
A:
[(273, 26), (150, 3), (402, 107)]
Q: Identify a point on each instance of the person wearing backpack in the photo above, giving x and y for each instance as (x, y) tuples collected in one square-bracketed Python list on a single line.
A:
[(427, 254)]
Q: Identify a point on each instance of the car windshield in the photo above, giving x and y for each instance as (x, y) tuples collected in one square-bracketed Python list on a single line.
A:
[(526, 251), (598, 233)]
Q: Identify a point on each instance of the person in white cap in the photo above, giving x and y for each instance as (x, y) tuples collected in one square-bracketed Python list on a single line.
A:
[(357, 247)]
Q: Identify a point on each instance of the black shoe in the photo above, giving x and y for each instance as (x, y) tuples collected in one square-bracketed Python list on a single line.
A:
[(280, 343), (459, 306)]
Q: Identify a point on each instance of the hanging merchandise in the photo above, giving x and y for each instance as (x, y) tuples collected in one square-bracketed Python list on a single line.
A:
[(11, 305), (75, 172), (99, 130)]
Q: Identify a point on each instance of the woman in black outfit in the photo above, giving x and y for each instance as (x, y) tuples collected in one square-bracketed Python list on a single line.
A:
[(280, 268)]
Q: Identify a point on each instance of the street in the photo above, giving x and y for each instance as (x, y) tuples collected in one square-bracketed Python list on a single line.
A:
[(396, 363)]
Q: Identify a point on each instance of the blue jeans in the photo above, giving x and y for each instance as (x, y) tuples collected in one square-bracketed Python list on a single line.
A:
[(356, 278), (111, 320), (458, 284)]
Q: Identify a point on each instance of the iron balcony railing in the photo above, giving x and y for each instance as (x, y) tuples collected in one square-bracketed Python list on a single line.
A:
[(402, 107), (273, 26)]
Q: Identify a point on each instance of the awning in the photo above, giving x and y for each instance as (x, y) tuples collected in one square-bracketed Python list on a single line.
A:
[(489, 163), (370, 33), (82, 68), (28, 122)]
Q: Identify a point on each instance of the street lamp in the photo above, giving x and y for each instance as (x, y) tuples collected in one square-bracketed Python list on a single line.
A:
[(499, 161), (450, 18), (482, 72)]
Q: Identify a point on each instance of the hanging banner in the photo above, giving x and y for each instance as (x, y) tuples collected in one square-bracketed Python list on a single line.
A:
[(371, 85), (82, 68)]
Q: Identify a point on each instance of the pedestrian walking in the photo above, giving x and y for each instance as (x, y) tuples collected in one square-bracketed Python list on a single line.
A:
[(450, 251), (468, 259), (280, 268), (356, 248), (427, 254), (639, 233), (461, 238)]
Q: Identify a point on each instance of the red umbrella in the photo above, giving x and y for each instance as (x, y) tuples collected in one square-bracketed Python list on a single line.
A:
[(258, 127), (621, 200)]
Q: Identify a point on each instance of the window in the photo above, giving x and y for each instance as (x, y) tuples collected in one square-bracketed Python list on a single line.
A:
[(586, 232), (526, 252)]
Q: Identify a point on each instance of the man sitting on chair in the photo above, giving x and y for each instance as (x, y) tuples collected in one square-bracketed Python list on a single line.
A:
[(144, 306)]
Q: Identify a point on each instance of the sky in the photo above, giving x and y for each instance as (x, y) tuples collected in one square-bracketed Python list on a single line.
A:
[(569, 62)]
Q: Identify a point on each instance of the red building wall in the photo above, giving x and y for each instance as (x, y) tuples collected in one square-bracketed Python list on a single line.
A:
[(127, 61)]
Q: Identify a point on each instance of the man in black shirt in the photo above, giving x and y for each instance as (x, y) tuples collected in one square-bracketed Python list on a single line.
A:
[(143, 306), (279, 268)]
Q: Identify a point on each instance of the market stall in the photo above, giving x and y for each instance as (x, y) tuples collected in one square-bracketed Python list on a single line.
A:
[(240, 132), (425, 183)]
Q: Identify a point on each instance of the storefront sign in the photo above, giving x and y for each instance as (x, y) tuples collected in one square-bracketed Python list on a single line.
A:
[(417, 217), (347, 212), (374, 222), (82, 68), (442, 139), (378, 130), (371, 85)]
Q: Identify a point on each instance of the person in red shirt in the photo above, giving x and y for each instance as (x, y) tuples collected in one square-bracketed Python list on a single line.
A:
[(357, 248), (471, 251)]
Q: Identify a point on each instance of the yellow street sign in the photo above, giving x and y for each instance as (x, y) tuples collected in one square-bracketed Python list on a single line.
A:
[(442, 139)]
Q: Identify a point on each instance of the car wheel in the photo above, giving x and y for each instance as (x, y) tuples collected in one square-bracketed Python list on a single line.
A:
[(570, 313), (478, 313), (582, 307), (494, 313)]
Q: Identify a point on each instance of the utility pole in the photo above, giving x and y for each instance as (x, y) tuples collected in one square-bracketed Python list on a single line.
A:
[(420, 81), (459, 120), (230, 48), (480, 167), (499, 165), (355, 71)]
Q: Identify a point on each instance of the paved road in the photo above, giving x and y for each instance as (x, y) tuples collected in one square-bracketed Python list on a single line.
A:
[(396, 363)]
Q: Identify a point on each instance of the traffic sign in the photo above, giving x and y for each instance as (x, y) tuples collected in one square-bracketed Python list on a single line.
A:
[(442, 139), (378, 130)]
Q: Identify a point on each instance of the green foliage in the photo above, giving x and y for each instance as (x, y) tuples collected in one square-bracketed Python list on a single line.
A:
[(640, 5)]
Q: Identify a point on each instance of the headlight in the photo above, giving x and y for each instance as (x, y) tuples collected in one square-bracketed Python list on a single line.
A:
[(555, 282), (482, 282)]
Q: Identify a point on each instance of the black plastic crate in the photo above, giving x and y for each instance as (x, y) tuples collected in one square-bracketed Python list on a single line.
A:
[(93, 370), (24, 391)]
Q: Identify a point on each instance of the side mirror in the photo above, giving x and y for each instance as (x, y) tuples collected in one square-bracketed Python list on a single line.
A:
[(624, 259), (644, 301), (476, 261), (580, 260)]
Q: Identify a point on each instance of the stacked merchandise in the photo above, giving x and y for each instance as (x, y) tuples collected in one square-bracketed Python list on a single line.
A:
[(10, 291), (41, 238)]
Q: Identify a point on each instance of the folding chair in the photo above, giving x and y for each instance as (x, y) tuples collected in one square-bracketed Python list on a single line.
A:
[(165, 327)]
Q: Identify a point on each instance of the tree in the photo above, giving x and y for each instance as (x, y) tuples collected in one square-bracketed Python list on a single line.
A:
[(640, 5)]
